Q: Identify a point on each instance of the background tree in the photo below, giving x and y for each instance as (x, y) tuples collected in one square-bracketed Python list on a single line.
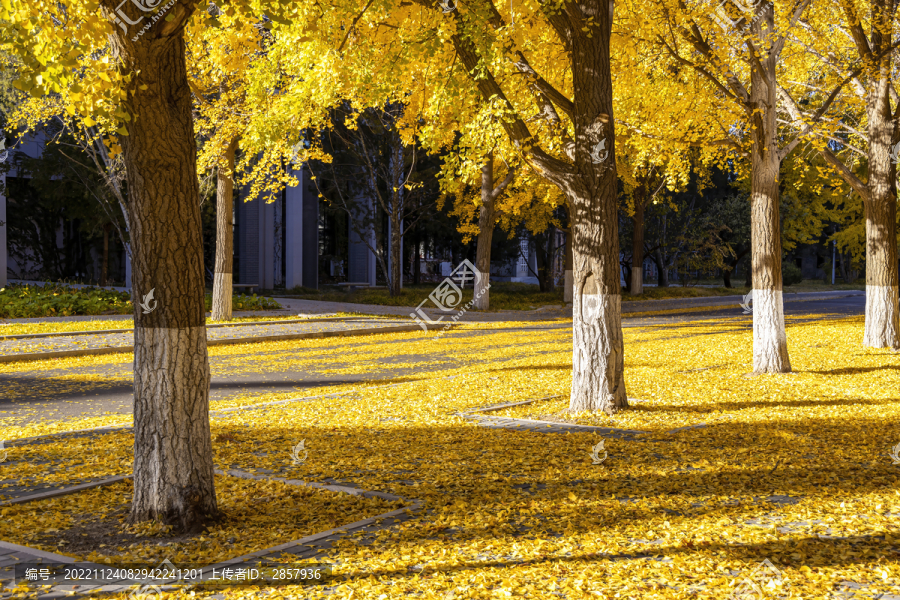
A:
[(849, 105), (741, 60), (371, 168), (55, 194)]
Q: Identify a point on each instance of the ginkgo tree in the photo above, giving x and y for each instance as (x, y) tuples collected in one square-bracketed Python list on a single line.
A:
[(848, 105), (219, 71), (737, 48), (577, 156), (547, 60), (478, 159), (122, 66), (668, 128)]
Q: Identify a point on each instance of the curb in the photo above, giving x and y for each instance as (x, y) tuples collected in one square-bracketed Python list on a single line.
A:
[(39, 553), (504, 421), (66, 491)]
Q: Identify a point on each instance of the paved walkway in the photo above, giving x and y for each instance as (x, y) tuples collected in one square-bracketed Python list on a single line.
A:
[(795, 303), (12, 347), (106, 386)]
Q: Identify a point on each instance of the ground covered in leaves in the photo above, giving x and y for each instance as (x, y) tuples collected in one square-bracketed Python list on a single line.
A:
[(90, 525), (731, 469)]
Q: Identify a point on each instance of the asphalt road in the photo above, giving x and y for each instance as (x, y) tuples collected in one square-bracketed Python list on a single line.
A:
[(106, 387)]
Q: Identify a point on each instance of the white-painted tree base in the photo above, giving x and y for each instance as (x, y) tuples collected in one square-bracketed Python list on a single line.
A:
[(598, 356), (221, 297), (173, 467), (569, 286), (770, 351), (482, 291), (882, 321)]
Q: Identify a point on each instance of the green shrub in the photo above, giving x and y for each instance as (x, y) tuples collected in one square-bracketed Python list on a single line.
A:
[(242, 302), (31, 301), (58, 300), (790, 274)]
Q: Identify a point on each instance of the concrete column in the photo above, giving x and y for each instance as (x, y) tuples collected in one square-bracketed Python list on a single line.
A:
[(266, 243), (293, 224), (362, 267), (310, 246), (3, 246), (246, 240), (373, 264), (522, 261)]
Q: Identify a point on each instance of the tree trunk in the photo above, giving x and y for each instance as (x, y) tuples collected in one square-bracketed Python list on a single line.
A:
[(590, 187), (486, 216), (569, 281), (770, 352), (551, 253), (173, 460), (882, 329), (104, 266), (598, 359), (543, 252), (485, 236), (396, 259), (637, 245), (662, 272), (728, 271), (417, 260), (393, 278), (222, 279)]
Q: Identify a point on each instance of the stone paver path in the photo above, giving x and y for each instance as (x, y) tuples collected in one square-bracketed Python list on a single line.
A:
[(306, 548)]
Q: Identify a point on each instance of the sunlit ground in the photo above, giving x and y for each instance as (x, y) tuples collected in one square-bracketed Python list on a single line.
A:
[(792, 468)]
